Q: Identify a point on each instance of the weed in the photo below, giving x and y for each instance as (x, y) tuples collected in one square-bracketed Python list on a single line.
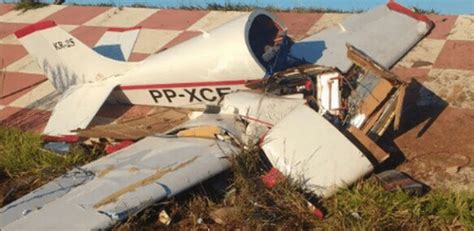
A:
[(26, 5), (365, 206), (424, 11), (21, 154), (233, 7)]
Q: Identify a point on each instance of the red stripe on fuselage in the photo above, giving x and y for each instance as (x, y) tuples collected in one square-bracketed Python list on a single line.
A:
[(188, 84)]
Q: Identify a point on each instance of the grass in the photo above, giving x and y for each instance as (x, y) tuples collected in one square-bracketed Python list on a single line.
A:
[(365, 206), (26, 5), (22, 155), (232, 7), (425, 11)]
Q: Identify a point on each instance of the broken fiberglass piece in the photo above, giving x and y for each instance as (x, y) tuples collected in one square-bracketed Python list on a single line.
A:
[(307, 147), (260, 111), (221, 124), (263, 109), (328, 93)]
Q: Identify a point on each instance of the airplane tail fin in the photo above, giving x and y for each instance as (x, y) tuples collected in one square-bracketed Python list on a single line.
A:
[(65, 60)]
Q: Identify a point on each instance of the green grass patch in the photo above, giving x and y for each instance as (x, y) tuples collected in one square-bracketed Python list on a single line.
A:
[(26, 5), (425, 11), (21, 155)]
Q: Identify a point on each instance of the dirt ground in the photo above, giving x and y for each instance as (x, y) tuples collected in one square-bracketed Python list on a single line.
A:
[(435, 143)]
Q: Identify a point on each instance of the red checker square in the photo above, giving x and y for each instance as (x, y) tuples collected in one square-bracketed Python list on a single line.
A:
[(23, 118), (15, 84), (76, 15), (8, 28), (299, 23), (136, 57), (443, 26), (173, 19), (184, 36), (5, 8), (10, 53), (89, 35), (456, 54)]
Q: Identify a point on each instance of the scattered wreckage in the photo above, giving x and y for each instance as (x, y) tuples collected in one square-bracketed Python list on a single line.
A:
[(314, 106)]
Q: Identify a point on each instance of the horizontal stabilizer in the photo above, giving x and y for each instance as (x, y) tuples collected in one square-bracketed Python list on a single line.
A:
[(77, 107)]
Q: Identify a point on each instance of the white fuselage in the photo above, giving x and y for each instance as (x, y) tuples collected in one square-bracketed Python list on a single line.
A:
[(198, 71)]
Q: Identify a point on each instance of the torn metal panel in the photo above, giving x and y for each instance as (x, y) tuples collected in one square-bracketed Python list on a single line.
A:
[(78, 106), (130, 180), (382, 33), (162, 120), (307, 147), (44, 195)]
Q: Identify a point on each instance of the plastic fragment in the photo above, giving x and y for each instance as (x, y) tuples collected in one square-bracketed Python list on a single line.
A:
[(272, 178)]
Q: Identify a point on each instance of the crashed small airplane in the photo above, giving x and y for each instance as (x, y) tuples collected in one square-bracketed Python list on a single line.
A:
[(315, 107)]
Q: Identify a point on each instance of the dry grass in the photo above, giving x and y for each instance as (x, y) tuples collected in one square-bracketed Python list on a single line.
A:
[(365, 206)]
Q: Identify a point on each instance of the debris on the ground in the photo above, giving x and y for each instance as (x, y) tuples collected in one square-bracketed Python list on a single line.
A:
[(223, 215), (111, 148), (394, 179), (162, 120), (272, 178), (316, 211), (164, 218), (316, 115), (58, 147)]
